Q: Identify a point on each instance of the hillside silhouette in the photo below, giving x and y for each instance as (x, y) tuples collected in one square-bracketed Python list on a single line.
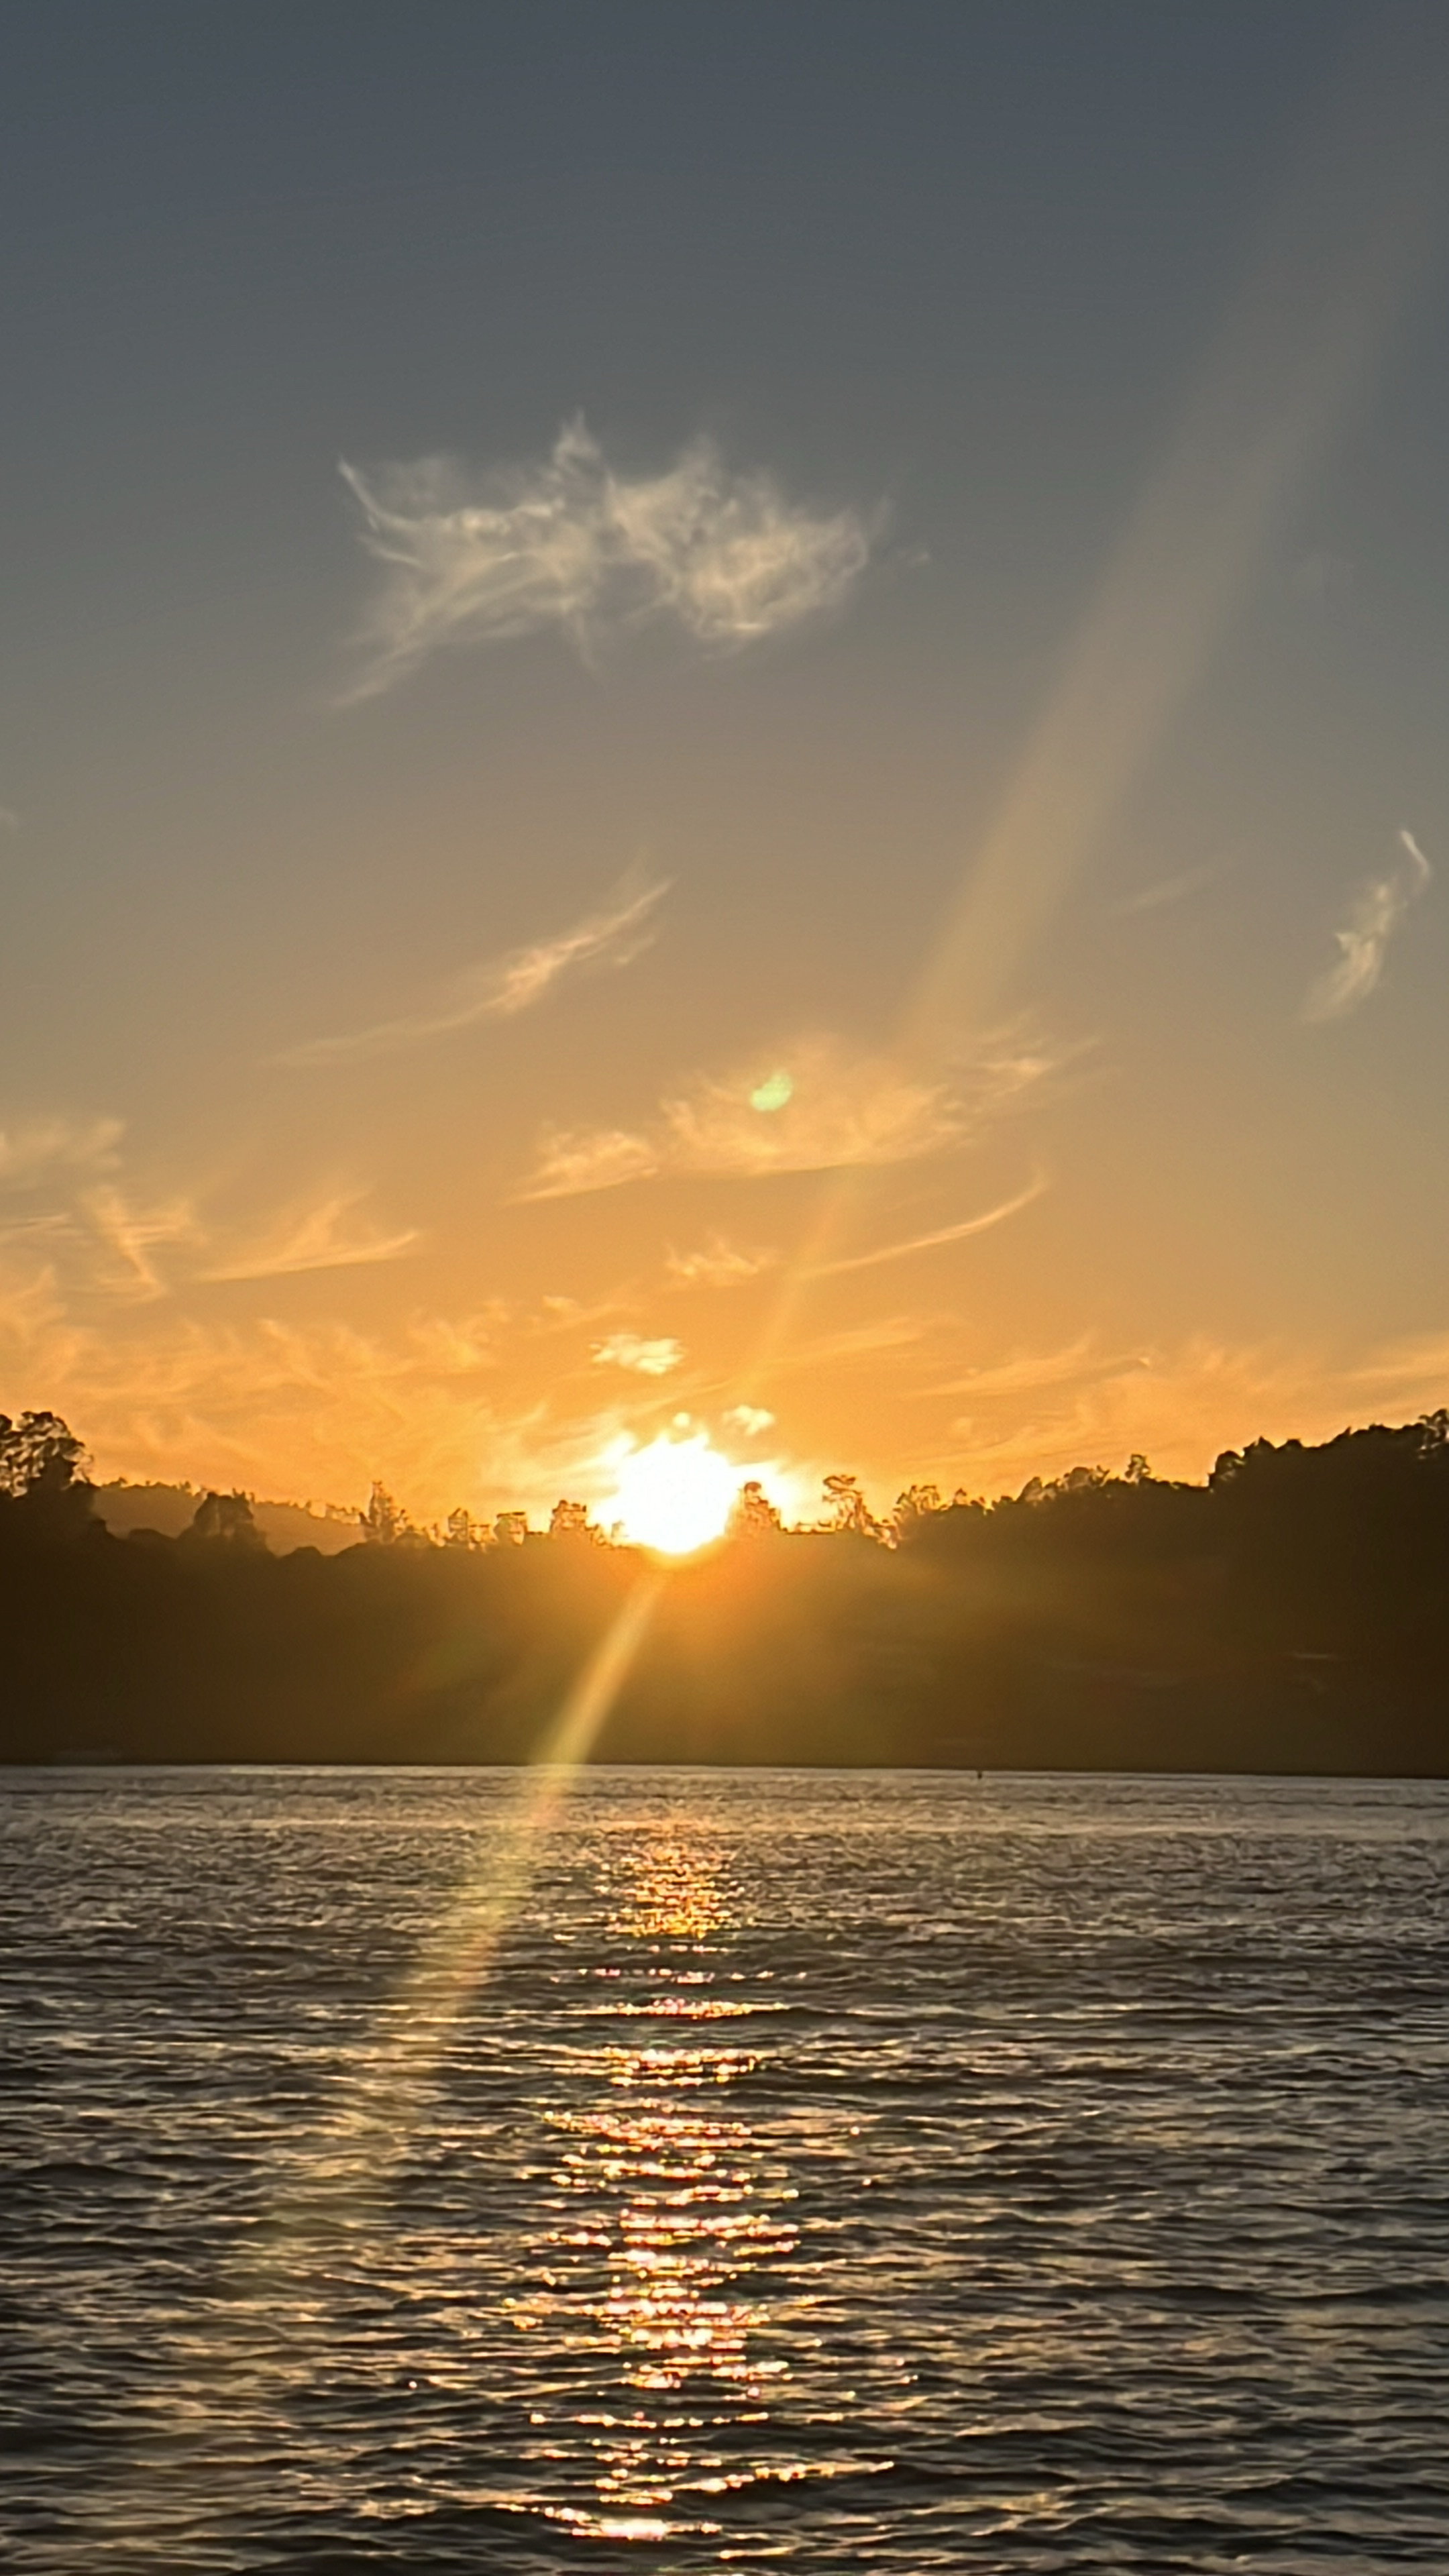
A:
[(1286, 1615)]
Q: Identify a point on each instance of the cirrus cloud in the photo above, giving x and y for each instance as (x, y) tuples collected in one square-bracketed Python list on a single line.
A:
[(45, 1146), (718, 1264), (314, 1238), (501, 987), (822, 1109), (483, 558), (1374, 916)]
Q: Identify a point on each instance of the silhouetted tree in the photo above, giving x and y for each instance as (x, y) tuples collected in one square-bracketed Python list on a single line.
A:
[(571, 1520), (848, 1508), (42, 1466), (384, 1522), (754, 1515), (1288, 1615), (38, 1452), (226, 1520)]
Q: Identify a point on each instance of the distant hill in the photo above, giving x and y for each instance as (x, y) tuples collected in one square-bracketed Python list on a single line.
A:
[(170, 1509)]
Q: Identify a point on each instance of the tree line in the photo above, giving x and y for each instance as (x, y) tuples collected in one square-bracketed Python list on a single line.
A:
[(1286, 1614)]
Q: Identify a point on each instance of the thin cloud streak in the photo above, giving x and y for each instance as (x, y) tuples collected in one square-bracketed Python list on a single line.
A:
[(855, 1341), (317, 1240), (720, 1264), (1181, 1407), (501, 987), (478, 559), (1164, 892), (132, 1235), (1363, 942), (1029, 1371), (928, 1242), (51, 1144)]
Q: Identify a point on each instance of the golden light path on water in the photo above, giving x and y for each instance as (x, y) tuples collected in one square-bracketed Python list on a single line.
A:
[(270, 2344), (648, 2289), (677, 2202), (679, 2174)]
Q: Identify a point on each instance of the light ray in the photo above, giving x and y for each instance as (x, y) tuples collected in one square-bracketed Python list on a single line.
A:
[(1354, 227)]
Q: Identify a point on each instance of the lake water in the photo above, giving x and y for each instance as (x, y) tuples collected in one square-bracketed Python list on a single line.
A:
[(429, 2170)]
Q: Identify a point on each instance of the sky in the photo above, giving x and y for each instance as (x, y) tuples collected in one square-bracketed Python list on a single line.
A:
[(727, 719)]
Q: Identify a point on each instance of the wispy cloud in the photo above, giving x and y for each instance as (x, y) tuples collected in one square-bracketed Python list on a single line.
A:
[(1180, 1406), (482, 558), (720, 1264), (600, 1158), (46, 1145), (131, 1236), (817, 1108), (1167, 890), (317, 1238), (654, 1358), (1363, 941), (501, 987), (319, 1410), (1028, 1371), (855, 1341), (9, 819), (958, 1233)]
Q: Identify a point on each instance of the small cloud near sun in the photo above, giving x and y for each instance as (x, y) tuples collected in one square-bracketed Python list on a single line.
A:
[(752, 1419), (720, 1264), (653, 1358)]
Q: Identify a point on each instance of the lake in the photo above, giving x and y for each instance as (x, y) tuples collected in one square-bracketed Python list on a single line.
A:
[(444, 2170)]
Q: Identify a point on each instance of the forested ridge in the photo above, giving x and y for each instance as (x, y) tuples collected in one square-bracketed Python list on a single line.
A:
[(1287, 1615)]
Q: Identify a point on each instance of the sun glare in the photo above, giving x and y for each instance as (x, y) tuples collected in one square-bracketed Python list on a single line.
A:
[(675, 1496)]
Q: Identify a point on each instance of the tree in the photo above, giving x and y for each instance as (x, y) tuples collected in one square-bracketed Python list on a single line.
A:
[(571, 1521), (384, 1522), (42, 1468), (754, 1515), (226, 1520), (510, 1529), (917, 1503), (39, 1453), (848, 1508)]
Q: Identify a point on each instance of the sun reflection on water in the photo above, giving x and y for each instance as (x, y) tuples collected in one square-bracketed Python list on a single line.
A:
[(668, 2216)]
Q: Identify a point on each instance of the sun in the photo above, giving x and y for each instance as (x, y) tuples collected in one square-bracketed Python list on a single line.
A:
[(675, 1496)]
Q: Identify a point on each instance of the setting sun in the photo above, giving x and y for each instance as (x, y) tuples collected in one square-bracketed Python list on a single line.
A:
[(676, 1495)]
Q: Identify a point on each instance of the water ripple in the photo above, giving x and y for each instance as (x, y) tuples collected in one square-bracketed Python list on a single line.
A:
[(427, 2170)]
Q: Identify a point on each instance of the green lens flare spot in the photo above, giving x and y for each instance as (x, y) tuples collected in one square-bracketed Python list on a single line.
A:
[(772, 1093)]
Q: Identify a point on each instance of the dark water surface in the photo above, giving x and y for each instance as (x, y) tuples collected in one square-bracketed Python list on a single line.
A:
[(444, 2170)]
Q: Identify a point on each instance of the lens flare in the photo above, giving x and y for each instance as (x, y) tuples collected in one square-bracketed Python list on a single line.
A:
[(675, 1495), (775, 1092)]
